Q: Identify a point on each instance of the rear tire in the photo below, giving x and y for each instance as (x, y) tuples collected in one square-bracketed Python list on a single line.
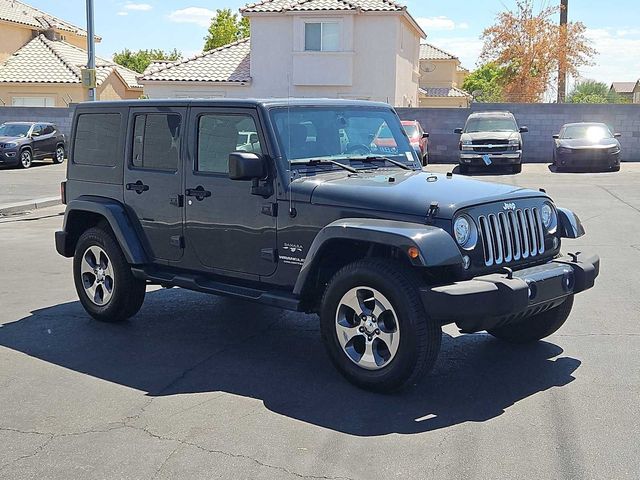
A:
[(59, 154), (535, 328), (386, 341), (105, 285)]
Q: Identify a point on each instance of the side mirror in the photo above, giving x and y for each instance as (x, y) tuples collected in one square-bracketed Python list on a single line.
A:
[(524, 129), (425, 135), (556, 136), (246, 166), (458, 131), (617, 135), (35, 134)]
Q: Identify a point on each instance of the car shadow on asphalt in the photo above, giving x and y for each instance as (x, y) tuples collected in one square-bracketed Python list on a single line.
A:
[(491, 171), (184, 342)]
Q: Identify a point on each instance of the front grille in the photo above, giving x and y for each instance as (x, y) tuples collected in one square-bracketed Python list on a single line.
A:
[(511, 236), (491, 142)]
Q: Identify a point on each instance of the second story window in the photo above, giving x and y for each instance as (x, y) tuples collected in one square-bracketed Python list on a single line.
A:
[(322, 37)]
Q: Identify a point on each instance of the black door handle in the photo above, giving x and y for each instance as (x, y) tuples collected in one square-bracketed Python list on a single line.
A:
[(138, 187), (199, 192)]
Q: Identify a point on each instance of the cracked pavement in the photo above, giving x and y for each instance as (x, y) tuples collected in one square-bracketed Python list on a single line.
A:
[(197, 386)]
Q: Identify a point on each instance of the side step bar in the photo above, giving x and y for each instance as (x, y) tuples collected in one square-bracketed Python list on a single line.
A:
[(199, 283)]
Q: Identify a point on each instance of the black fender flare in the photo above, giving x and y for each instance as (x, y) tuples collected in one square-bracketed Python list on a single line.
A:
[(569, 225), (435, 246), (116, 216)]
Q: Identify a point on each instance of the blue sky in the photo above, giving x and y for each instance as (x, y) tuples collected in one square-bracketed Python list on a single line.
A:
[(614, 27)]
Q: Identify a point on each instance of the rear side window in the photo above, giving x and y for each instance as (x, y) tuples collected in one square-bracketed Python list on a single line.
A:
[(156, 141), (48, 130), (97, 139)]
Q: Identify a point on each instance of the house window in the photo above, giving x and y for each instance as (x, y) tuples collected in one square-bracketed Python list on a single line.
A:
[(322, 36), (33, 101)]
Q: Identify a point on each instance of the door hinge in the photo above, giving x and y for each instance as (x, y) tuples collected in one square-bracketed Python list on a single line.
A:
[(270, 209), (176, 200), (270, 254), (177, 241)]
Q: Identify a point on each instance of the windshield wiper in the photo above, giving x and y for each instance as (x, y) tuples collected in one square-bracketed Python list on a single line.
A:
[(386, 159), (323, 161)]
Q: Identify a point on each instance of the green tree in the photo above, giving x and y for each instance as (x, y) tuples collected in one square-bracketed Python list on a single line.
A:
[(591, 91), (226, 28), (486, 83), (140, 60)]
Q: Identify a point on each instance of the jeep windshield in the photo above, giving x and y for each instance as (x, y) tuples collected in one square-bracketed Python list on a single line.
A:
[(490, 124), (14, 130), (359, 137)]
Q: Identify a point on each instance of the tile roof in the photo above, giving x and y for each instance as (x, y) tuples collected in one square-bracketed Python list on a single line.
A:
[(443, 92), (460, 68), (17, 12), (156, 65), (431, 52), (230, 63), (278, 6), (47, 61), (624, 87)]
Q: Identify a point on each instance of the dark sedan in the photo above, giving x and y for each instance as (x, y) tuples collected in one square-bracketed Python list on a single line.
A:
[(586, 146), (23, 142)]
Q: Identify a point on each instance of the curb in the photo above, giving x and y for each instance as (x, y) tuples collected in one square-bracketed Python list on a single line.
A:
[(21, 207)]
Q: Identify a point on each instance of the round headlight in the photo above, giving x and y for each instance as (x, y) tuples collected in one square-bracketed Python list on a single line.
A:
[(462, 231), (548, 215)]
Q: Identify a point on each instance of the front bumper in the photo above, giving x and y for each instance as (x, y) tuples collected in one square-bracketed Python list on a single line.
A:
[(588, 160), (494, 300), (477, 158), (9, 157)]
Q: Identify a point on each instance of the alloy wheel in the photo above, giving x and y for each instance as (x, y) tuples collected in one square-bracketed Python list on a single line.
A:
[(367, 328), (60, 154), (97, 275), (25, 158)]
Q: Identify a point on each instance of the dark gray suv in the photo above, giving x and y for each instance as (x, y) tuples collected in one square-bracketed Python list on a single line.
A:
[(317, 217), (23, 142)]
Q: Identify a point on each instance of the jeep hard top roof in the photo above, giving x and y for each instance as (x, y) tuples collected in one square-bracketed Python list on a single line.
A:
[(236, 102)]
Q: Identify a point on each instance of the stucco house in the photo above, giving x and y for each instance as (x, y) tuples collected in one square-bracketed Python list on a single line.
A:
[(630, 91), (355, 49), (41, 57), (441, 76)]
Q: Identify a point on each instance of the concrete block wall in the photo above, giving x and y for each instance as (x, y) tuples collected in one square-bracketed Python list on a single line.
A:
[(543, 121), (62, 117)]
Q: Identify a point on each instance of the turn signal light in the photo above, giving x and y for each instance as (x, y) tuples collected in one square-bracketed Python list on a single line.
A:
[(413, 253)]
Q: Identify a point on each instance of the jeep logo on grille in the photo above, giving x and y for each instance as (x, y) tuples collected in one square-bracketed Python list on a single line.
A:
[(509, 206)]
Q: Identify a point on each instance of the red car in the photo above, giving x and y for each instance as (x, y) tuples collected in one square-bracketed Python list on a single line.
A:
[(418, 138)]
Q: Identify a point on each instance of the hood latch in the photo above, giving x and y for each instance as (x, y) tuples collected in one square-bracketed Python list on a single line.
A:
[(433, 211)]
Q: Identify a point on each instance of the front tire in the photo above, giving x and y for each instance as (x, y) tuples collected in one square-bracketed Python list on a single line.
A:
[(26, 159), (375, 328), (535, 328), (105, 285)]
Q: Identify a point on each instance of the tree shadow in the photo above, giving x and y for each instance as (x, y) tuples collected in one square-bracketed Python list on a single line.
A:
[(185, 342)]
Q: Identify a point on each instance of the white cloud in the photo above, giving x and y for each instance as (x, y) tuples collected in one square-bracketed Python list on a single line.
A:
[(138, 7), (198, 15), (122, 14), (467, 49), (440, 23), (617, 59)]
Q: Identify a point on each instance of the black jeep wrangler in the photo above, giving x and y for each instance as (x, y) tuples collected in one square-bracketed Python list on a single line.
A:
[(316, 214)]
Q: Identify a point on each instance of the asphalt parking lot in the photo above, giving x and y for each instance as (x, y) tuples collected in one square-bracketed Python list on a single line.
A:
[(202, 387)]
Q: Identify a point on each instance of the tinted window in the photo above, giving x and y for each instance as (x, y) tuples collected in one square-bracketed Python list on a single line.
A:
[(219, 135), (37, 130), (48, 130), (156, 141), (491, 124), (97, 139), (412, 130)]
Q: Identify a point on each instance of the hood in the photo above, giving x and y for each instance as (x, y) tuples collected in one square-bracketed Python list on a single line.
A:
[(477, 136), (586, 143), (11, 139), (404, 192)]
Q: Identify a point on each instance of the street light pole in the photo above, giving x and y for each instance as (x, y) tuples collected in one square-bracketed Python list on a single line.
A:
[(91, 49), (562, 67)]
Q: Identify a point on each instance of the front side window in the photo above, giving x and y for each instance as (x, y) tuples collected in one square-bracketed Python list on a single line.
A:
[(322, 36), (97, 139), (340, 134), (219, 135), (156, 142), (491, 124)]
